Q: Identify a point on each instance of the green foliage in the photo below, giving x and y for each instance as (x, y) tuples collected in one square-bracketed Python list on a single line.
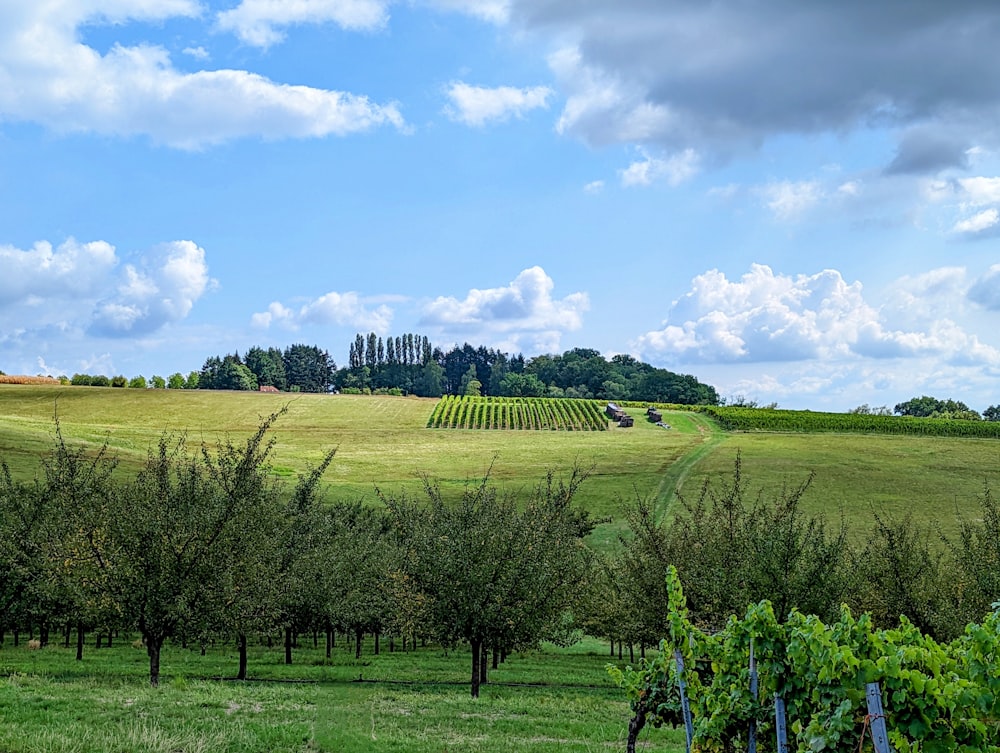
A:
[(937, 697), (495, 572), (25, 515), (733, 548), (931, 407), (900, 572), (762, 419), (267, 366), (308, 368), (976, 553)]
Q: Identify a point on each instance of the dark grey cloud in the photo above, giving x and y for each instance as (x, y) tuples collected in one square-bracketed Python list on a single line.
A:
[(922, 152), (727, 75)]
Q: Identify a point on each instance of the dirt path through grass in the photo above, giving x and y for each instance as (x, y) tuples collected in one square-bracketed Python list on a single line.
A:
[(677, 473)]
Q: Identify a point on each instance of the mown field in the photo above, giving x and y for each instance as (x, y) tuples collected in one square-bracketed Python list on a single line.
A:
[(417, 702), (385, 443), (382, 442)]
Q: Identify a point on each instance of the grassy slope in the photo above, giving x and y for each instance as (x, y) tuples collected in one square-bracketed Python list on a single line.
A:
[(382, 442), (935, 480)]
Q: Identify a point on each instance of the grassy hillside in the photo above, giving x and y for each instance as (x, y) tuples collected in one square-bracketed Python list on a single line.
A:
[(383, 442)]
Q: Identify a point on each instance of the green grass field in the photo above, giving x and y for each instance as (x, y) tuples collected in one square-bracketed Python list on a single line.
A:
[(383, 442), (48, 702), (418, 702)]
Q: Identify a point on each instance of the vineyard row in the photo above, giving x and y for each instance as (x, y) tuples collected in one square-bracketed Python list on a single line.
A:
[(532, 413), (763, 419)]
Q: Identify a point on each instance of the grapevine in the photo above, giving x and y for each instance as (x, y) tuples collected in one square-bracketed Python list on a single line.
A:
[(556, 414), (938, 697)]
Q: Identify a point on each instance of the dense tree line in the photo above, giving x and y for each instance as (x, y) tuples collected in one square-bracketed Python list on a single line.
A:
[(931, 407), (204, 543), (410, 364), (297, 368), (926, 406)]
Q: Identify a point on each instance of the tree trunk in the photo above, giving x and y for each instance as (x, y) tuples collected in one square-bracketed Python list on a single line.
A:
[(329, 640), (635, 725), (100, 640), (392, 644), (496, 658), (642, 650), (612, 648), (17, 637), (315, 638), (241, 642), (110, 634), (43, 634), (80, 635), (484, 661), (153, 645), (631, 653), (376, 643), (477, 647), (619, 650), (358, 638), (288, 645), (66, 633)]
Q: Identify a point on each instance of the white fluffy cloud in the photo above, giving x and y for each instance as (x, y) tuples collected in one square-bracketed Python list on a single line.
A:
[(675, 169), (766, 317), (69, 86), (160, 290), (978, 203), (346, 309), (980, 190), (261, 23), (257, 22), (478, 105), (978, 222), (522, 312), (79, 286), (71, 271)]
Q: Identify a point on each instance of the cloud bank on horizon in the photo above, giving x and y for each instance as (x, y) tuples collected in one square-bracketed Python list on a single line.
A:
[(503, 172)]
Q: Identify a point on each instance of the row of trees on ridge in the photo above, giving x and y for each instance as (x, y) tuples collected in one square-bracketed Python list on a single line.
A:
[(410, 364)]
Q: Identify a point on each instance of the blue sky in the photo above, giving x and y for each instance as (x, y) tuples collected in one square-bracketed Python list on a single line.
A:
[(795, 202)]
